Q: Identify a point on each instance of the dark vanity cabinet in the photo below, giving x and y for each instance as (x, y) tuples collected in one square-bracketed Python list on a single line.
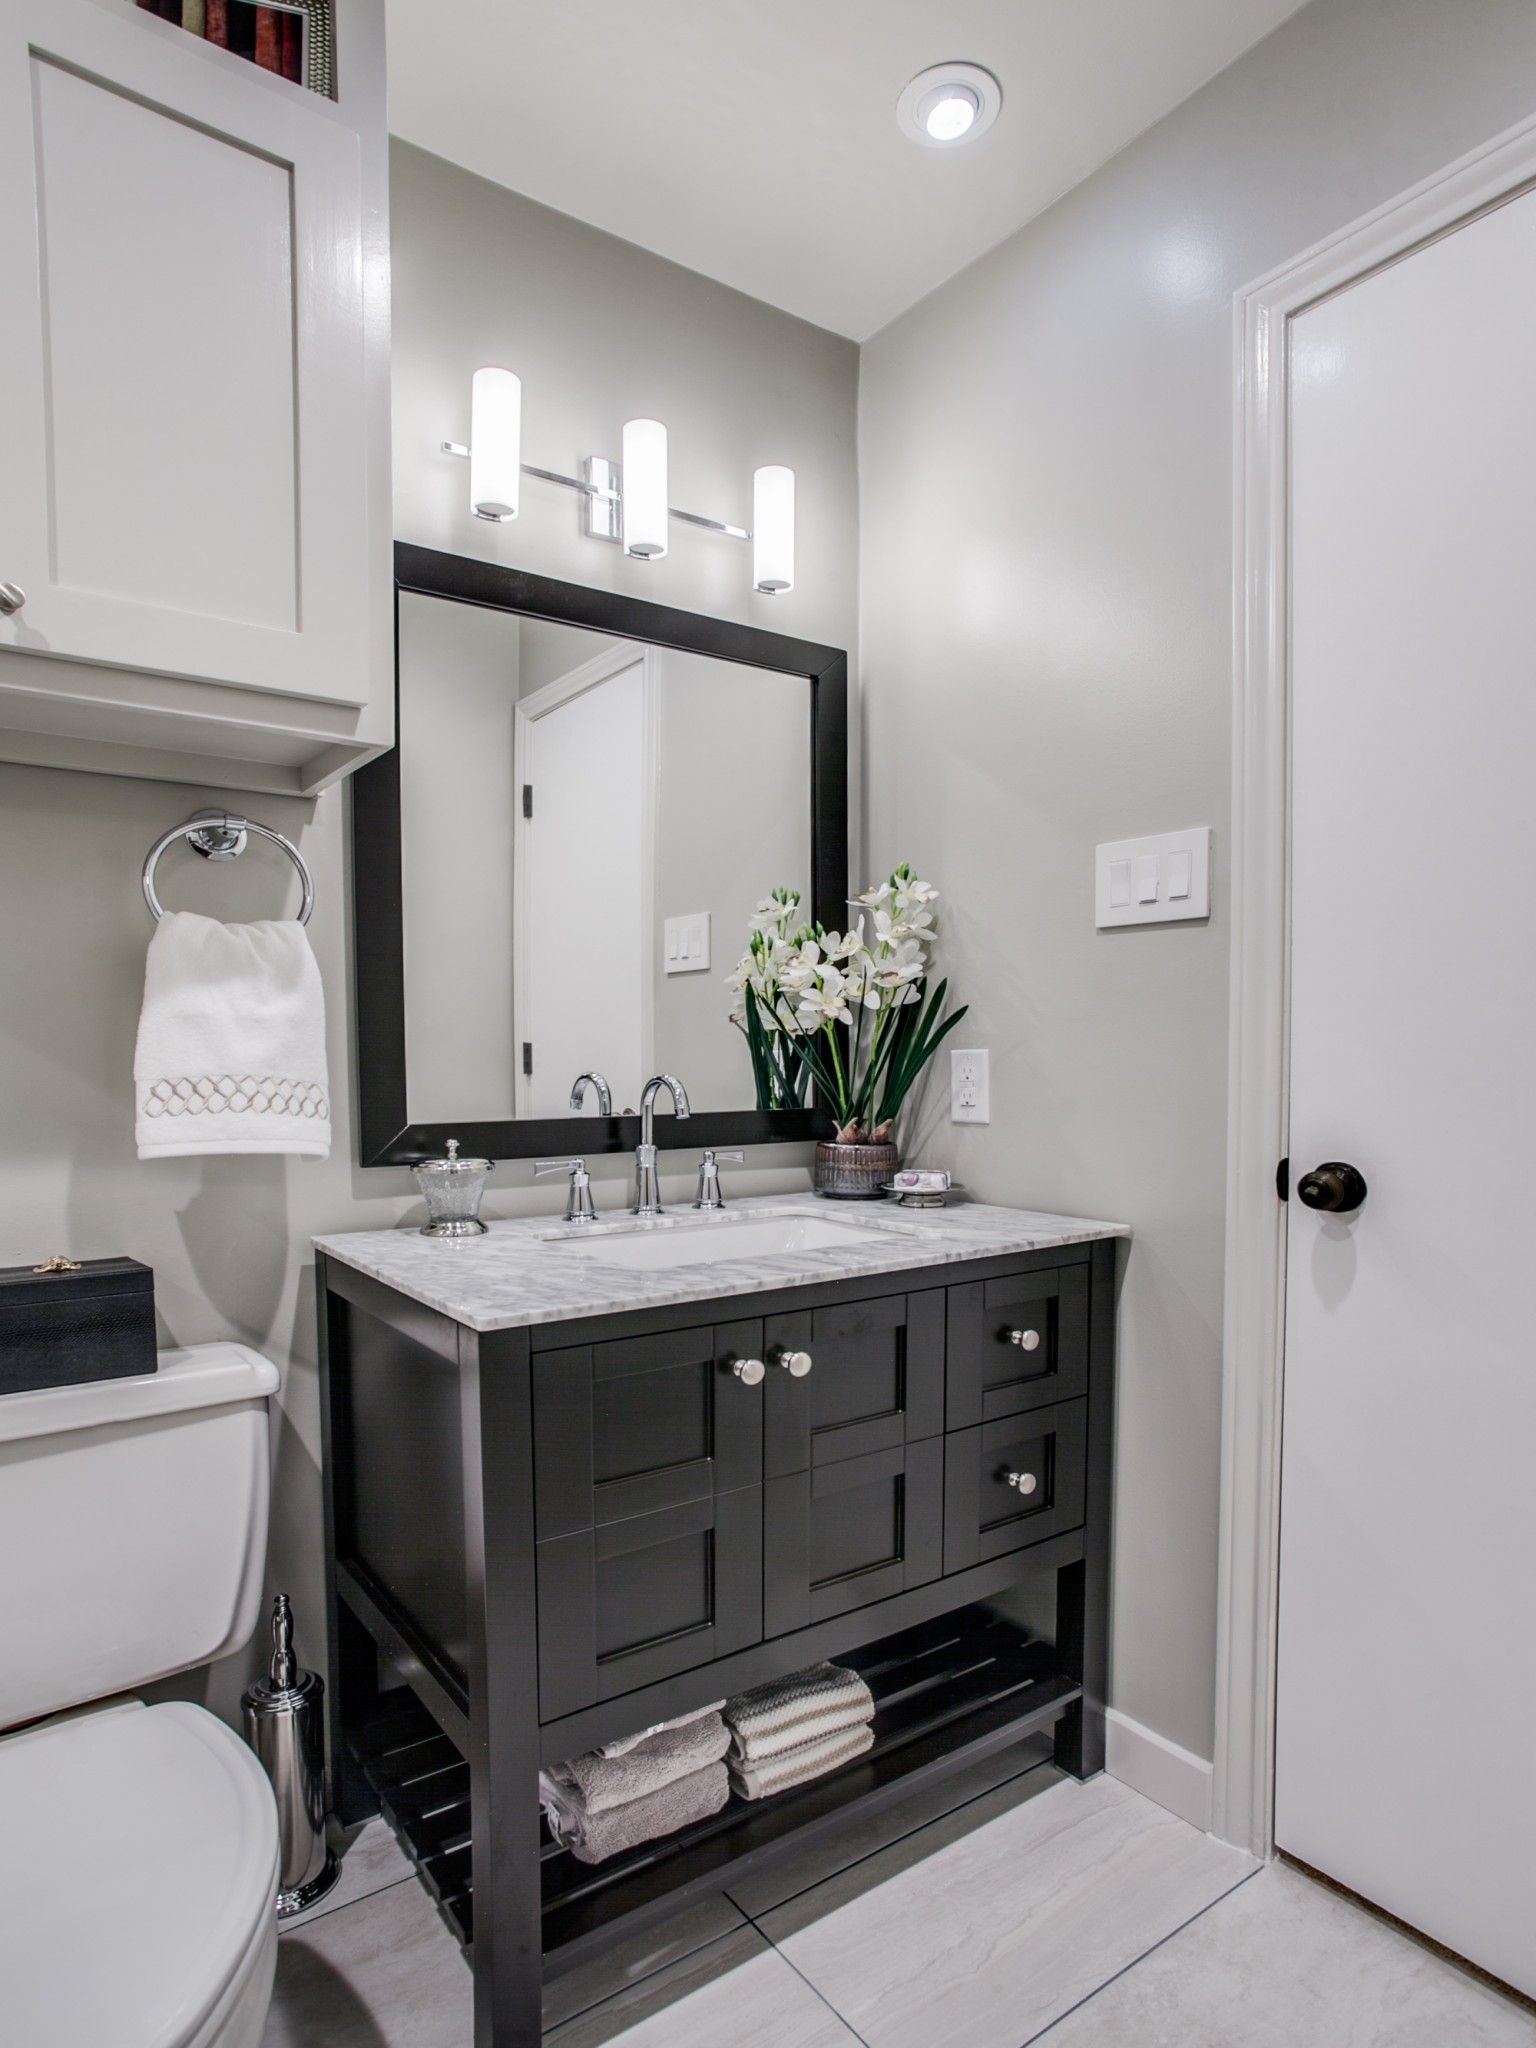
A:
[(544, 1538)]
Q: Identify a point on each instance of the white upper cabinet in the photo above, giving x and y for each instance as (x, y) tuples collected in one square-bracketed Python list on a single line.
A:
[(194, 356)]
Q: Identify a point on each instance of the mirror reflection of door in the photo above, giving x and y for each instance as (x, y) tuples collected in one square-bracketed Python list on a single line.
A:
[(585, 888)]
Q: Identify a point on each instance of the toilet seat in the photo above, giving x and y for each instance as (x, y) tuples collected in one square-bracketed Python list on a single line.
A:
[(138, 1873)]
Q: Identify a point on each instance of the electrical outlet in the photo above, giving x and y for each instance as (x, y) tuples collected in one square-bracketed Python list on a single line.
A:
[(969, 1088)]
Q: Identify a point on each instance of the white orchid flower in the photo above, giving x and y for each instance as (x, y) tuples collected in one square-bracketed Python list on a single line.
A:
[(875, 895)]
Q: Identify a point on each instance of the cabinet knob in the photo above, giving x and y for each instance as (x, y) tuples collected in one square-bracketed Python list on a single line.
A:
[(1023, 1482), (12, 597), (749, 1371), (1027, 1340), (796, 1363)]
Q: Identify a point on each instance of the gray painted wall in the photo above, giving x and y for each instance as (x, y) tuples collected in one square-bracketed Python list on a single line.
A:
[(1046, 485), (599, 330)]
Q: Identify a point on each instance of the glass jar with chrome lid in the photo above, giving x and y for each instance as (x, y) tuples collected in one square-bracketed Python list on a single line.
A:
[(452, 1188)]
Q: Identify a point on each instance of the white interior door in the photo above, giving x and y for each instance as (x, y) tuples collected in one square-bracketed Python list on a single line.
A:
[(1406, 1765), (582, 991)]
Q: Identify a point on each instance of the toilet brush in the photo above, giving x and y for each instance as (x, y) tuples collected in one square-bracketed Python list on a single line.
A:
[(285, 1726)]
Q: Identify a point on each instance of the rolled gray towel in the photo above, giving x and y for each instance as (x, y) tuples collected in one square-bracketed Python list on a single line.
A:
[(799, 1766), (593, 1838), (601, 1783), (628, 1742), (791, 1711)]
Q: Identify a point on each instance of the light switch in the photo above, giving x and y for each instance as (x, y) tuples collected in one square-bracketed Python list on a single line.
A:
[(685, 943), (1165, 879)]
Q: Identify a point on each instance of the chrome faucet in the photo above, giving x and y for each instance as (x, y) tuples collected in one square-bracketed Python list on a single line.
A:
[(647, 1189), (604, 1096)]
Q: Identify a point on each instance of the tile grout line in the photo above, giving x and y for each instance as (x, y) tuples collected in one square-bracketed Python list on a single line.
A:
[(1135, 1962), (323, 1912), (841, 2017)]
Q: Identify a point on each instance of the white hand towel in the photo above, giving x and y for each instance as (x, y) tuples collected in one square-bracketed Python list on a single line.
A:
[(231, 1051)]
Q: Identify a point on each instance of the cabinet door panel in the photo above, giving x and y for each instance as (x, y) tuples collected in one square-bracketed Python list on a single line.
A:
[(984, 1515), (181, 342), (642, 1599), (1016, 1343), (639, 1424), (876, 1380), (848, 1533)]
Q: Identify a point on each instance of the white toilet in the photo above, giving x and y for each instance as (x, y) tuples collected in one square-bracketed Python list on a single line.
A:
[(138, 1844)]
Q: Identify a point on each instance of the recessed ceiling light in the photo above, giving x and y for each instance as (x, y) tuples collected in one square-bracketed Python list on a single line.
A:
[(949, 103)]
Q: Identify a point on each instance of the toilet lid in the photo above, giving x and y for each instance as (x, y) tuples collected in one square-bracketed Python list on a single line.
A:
[(138, 1859)]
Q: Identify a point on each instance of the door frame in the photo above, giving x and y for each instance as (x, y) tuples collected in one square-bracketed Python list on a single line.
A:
[(587, 675), (1253, 1337)]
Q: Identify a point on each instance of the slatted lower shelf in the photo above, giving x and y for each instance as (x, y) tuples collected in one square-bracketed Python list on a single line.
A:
[(954, 1690)]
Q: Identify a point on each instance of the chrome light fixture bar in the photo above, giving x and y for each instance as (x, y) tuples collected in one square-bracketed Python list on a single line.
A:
[(636, 520)]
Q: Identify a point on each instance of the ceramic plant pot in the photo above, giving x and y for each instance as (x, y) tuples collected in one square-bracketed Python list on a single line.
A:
[(853, 1173)]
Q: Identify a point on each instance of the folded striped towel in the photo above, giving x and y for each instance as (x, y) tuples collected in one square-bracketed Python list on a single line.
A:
[(798, 1766), (600, 1783), (594, 1837), (789, 1712)]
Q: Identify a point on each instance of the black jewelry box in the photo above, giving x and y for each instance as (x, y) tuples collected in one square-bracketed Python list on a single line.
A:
[(63, 1322)]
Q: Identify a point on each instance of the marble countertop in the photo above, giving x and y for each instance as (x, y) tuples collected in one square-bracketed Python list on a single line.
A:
[(527, 1271)]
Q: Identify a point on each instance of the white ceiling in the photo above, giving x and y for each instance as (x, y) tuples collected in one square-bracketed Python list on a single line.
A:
[(756, 140)]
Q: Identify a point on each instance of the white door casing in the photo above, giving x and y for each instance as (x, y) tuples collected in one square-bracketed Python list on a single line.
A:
[(1259, 1106)]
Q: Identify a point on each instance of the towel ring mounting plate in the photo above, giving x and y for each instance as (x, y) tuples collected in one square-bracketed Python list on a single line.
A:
[(219, 835)]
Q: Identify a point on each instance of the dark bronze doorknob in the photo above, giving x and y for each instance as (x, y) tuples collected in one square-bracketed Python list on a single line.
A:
[(1333, 1187)]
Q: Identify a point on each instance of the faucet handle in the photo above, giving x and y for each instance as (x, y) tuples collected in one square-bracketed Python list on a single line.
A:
[(708, 1195), (578, 1200)]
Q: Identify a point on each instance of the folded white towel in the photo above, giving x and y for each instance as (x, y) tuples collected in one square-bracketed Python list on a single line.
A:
[(231, 1051)]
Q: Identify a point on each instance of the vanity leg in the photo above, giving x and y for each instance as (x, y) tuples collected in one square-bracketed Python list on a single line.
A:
[(1082, 1589), (497, 1425), (352, 1681)]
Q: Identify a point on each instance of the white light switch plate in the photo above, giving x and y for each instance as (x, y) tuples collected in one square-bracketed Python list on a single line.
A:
[(685, 943), (970, 1088), (1162, 880)]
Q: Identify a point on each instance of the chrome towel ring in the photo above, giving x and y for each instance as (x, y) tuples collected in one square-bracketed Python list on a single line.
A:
[(217, 835)]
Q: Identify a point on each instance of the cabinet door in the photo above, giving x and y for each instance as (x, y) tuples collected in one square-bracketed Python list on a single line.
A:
[(182, 353), (637, 1600), (1016, 1343), (1012, 1483), (848, 1533), (642, 1424), (876, 1380)]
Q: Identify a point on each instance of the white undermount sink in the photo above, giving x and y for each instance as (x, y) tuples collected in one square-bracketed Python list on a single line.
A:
[(657, 1247)]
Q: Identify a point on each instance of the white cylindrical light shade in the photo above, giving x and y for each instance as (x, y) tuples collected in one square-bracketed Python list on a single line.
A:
[(773, 528), (645, 489), (495, 444)]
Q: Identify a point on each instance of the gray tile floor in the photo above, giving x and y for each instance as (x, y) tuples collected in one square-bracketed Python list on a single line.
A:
[(1079, 1916)]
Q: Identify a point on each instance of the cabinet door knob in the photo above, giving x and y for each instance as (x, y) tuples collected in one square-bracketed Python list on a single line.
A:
[(1027, 1340), (12, 597), (1023, 1482), (796, 1363), (749, 1370)]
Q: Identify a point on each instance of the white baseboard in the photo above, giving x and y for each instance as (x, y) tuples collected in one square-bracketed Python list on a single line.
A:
[(1158, 1769)]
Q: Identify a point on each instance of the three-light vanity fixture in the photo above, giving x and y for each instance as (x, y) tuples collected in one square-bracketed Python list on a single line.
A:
[(626, 502)]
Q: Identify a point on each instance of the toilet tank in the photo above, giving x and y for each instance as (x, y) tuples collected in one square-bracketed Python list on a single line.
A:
[(133, 1526)]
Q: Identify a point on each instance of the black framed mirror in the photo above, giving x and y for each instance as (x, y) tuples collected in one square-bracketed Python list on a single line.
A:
[(554, 867)]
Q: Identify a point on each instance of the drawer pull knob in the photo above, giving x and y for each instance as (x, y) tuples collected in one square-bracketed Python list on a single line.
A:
[(750, 1371), (12, 598), (1023, 1482), (796, 1363), (1027, 1340)]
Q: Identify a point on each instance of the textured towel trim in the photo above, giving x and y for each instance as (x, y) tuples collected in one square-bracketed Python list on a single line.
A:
[(799, 1766)]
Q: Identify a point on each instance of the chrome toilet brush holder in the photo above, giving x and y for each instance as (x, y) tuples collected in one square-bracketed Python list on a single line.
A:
[(285, 1725)]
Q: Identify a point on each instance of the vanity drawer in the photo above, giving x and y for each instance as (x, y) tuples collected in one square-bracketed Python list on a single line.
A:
[(876, 1380), (643, 1423), (1016, 1343), (1011, 1483), (639, 1600), (850, 1532)]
